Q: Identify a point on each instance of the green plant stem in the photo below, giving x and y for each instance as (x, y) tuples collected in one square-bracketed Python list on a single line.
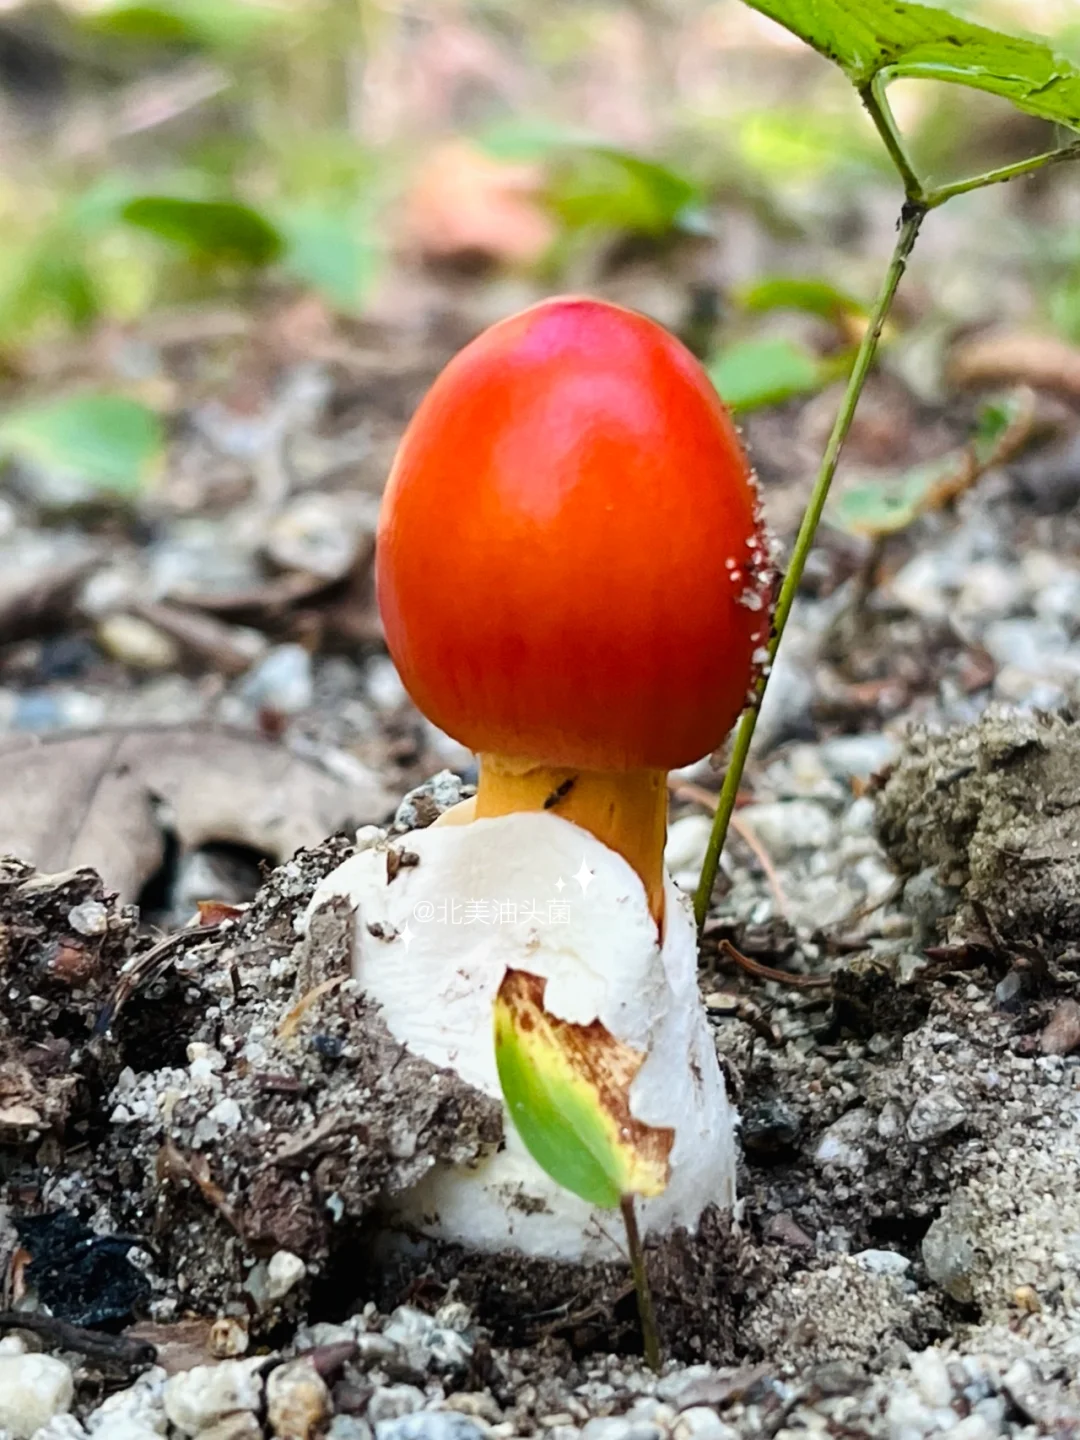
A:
[(646, 1313), (877, 106), (911, 220), (938, 196)]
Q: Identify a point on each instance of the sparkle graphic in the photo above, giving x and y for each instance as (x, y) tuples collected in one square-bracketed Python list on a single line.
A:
[(560, 884), (406, 936), (584, 876)]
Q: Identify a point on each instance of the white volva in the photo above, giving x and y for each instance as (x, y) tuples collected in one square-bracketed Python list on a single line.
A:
[(536, 893)]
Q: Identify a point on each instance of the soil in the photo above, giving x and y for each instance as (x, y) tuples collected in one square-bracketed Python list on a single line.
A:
[(910, 1158)]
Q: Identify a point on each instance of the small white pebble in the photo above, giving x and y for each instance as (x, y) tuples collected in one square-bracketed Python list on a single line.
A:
[(33, 1388), (283, 1271)]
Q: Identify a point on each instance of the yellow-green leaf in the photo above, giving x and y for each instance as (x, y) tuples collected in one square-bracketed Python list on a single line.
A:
[(567, 1088), (895, 38)]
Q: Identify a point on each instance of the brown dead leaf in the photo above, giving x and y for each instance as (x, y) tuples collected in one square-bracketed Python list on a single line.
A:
[(98, 799), (1041, 361), (465, 205)]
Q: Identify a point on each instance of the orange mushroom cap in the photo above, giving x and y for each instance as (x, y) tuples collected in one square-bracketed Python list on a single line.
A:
[(570, 562)]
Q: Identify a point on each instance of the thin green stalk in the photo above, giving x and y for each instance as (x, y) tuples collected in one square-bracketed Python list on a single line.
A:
[(877, 106), (911, 220), (941, 193), (646, 1313)]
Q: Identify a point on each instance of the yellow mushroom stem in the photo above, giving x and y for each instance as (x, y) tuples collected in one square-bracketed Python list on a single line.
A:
[(625, 810)]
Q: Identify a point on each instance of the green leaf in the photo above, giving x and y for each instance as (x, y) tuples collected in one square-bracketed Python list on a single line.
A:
[(753, 373), (331, 252), (218, 231), (884, 507), (901, 40), (600, 188), (796, 292), (107, 440), (567, 1090), (992, 424), (214, 24)]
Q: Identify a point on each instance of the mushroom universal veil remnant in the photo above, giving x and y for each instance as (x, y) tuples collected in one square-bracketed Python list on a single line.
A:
[(574, 582)]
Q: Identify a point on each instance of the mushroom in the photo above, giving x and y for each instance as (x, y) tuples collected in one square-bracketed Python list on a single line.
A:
[(574, 582), (571, 570)]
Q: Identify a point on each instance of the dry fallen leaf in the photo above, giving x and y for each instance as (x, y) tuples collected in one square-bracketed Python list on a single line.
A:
[(105, 799), (465, 205), (1040, 361)]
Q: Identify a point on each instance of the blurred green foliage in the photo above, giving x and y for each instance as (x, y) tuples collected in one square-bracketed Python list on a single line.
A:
[(106, 442)]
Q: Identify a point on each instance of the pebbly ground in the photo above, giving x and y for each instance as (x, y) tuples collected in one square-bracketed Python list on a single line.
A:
[(904, 1261)]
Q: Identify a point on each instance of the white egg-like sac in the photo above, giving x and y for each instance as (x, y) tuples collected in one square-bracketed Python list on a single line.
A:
[(537, 893)]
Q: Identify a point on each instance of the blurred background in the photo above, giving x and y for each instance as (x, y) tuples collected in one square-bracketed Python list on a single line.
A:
[(237, 241)]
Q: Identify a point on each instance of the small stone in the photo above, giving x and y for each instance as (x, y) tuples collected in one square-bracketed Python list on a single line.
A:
[(974, 1427), (349, 1427), (33, 1388), (1026, 1298), (770, 1128), (374, 1349), (284, 1271), (197, 1398), (929, 902), (931, 1376), (619, 1427), (883, 1262), (136, 643), (448, 1350), (839, 1146), (787, 826), (126, 1427), (948, 1249), (390, 1402), (1062, 1033), (89, 918), (241, 1425), (282, 681), (934, 1116), (430, 1425), (318, 534), (297, 1400), (135, 1413), (702, 1423), (228, 1337), (423, 805), (61, 1427)]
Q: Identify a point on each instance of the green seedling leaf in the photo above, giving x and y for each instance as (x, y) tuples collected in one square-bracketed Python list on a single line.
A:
[(331, 252), (993, 425), (567, 1090), (886, 507), (601, 188), (212, 231), (753, 373), (795, 292), (897, 39), (108, 441)]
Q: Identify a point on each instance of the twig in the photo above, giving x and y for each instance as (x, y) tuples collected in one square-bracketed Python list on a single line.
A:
[(646, 1313), (142, 967), (766, 972), (94, 1344)]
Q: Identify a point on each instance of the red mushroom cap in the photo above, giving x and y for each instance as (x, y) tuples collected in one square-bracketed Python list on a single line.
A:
[(570, 563)]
